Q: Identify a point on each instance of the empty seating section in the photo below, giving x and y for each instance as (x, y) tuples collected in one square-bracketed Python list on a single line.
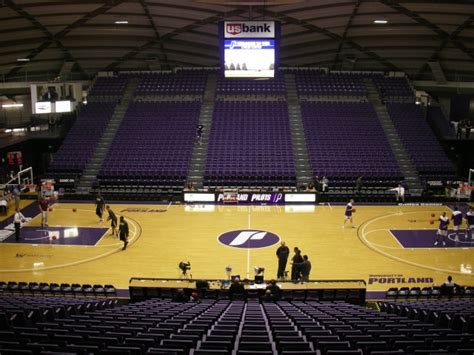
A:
[(250, 87), (314, 83), (183, 82), (250, 138), (79, 144), (455, 314), (219, 326), (153, 145), (250, 145), (393, 88), (26, 311), (109, 86), (345, 140), (420, 142)]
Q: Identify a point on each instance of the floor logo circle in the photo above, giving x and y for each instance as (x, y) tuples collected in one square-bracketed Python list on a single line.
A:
[(249, 239)]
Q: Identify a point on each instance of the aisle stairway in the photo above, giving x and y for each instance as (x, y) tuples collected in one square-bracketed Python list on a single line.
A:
[(412, 179), (95, 163), (300, 151), (198, 160)]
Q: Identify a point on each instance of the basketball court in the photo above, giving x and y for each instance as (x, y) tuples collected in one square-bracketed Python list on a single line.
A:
[(390, 246)]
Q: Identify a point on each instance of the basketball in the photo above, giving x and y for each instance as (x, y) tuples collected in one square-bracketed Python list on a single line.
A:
[(432, 215), (54, 237), (431, 222), (50, 210), (353, 210), (73, 210)]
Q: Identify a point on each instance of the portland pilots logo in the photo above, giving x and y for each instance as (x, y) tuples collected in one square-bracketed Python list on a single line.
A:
[(249, 239)]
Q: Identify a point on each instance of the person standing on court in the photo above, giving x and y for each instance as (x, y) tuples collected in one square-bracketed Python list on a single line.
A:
[(348, 214), (296, 262), (442, 229), (99, 206), (43, 207), (113, 220), (456, 217), (305, 268), (123, 232), (469, 222), (399, 192), (16, 196), (282, 253), (18, 219)]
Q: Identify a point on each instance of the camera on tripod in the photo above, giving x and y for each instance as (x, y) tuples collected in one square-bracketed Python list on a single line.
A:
[(184, 266)]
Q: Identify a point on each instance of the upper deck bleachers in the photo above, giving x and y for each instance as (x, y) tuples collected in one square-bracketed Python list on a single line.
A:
[(250, 137), (250, 145), (420, 142), (183, 82), (108, 87), (316, 83), (393, 88), (251, 87), (79, 144), (345, 140), (153, 145)]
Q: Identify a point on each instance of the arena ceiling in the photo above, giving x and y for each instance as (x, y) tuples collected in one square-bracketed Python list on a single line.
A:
[(82, 37)]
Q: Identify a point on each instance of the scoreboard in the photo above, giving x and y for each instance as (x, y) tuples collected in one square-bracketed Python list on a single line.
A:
[(249, 49)]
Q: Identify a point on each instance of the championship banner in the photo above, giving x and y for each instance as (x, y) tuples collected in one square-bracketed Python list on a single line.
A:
[(14, 158)]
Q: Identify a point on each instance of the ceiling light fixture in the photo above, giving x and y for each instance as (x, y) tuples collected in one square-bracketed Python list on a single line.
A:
[(12, 105), (121, 22), (23, 60), (381, 22)]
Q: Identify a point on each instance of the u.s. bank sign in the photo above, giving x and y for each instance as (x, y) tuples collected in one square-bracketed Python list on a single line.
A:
[(249, 29)]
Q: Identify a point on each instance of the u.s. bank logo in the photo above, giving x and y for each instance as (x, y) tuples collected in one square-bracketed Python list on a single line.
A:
[(249, 239)]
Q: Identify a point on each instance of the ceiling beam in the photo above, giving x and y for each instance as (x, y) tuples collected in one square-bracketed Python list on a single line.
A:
[(444, 43), (331, 35), (56, 37), (439, 31), (208, 20), (344, 34), (164, 56)]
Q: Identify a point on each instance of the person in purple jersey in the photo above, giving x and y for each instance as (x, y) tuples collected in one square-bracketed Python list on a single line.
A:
[(348, 214), (456, 217), (470, 223), (442, 229)]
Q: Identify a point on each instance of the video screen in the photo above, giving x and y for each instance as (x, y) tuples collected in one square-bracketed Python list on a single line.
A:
[(63, 106), (249, 58), (43, 107)]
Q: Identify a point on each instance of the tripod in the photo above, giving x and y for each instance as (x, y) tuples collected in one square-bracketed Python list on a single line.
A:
[(184, 275)]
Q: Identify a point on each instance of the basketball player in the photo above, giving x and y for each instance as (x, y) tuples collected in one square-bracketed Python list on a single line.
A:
[(123, 232), (113, 220), (470, 223), (99, 206), (399, 192), (43, 207), (18, 218), (456, 217), (442, 229), (17, 196), (348, 214)]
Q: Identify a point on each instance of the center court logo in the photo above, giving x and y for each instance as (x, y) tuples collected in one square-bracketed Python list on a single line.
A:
[(249, 239)]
